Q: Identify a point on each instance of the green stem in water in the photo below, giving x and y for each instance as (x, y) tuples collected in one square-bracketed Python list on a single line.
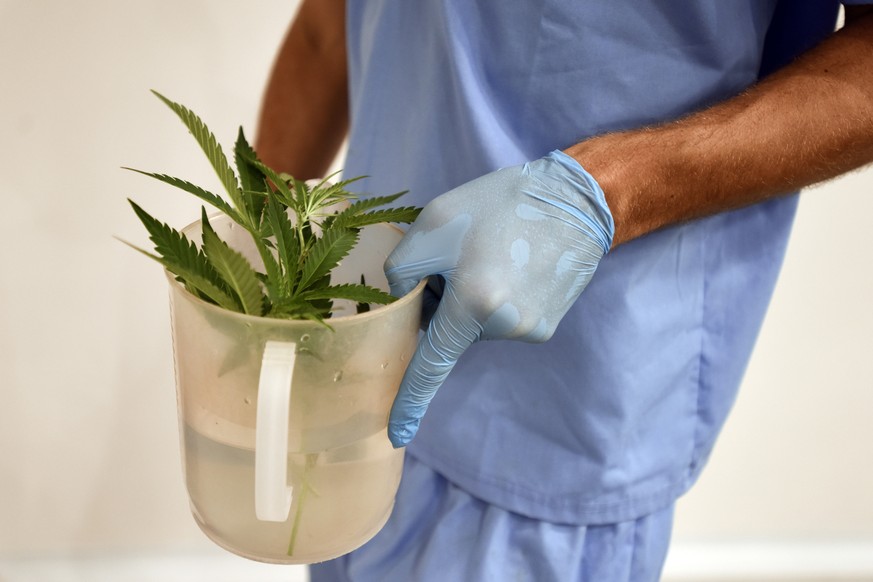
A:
[(311, 459)]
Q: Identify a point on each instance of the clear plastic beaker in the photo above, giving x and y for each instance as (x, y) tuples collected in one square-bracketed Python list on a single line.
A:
[(283, 422)]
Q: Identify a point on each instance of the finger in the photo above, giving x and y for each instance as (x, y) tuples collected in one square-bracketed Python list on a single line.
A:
[(399, 282), (424, 252), (447, 337)]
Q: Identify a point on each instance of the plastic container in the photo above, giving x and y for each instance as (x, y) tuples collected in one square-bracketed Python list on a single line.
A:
[(283, 423)]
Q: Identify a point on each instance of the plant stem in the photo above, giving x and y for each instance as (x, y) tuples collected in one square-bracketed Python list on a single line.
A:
[(311, 459)]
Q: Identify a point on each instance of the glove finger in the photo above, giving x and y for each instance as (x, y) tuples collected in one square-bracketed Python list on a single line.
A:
[(422, 253), (446, 338)]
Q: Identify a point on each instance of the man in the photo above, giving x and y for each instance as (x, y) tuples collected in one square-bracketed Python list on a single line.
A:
[(649, 152)]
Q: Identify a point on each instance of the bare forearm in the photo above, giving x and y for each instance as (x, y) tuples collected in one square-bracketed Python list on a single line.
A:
[(807, 123), (304, 113)]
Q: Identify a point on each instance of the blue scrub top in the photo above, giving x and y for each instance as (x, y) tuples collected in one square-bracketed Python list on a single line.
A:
[(614, 417)]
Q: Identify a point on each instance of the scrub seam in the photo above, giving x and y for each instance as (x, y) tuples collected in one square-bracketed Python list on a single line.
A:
[(605, 510), (698, 409)]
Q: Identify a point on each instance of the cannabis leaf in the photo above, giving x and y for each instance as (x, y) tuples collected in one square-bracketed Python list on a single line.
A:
[(213, 199), (369, 203), (326, 254), (234, 268), (281, 214), (253, 180), (182, 258), (350, 291), (287, 244), (402, 214), (214, 154)]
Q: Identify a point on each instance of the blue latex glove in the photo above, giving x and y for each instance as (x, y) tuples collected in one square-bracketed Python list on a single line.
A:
[(514, 248)]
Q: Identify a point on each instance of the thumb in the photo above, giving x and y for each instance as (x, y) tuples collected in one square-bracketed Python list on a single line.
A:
[(446, 338)]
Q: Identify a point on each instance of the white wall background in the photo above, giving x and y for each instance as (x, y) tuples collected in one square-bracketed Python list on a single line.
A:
[(89, 463)]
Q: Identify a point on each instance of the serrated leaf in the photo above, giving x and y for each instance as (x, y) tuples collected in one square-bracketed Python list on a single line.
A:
[(287, 244), (302, 200), (266, 233), (351, 292), (194, 281), (323, 195), (205, 195), (235, 269), (341, 185), (282, 192), (296, 261), (175, 246), (403, 214), (325, 305), (273, 279), (321, 283), (325, 254), (251, 177), (213, 152), (360, 207), (369, 203)]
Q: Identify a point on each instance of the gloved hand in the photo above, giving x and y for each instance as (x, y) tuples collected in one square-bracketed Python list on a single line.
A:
[(514, 248)]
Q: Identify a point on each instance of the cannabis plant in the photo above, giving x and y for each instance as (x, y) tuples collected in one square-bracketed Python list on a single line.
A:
[(298, 240)]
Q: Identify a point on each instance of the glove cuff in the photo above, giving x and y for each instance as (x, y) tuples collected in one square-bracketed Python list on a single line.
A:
[(598, 216)]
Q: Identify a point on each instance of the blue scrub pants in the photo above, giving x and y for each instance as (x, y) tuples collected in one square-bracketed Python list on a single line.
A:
[(441, 533)]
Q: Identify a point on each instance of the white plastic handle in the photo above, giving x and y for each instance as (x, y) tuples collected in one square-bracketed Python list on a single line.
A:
[(272, 492)]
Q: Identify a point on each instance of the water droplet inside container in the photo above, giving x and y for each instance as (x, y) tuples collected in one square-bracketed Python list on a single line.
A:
[(247, 400), (338, 376), (402, 357), (304, 337), (384, 365)]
